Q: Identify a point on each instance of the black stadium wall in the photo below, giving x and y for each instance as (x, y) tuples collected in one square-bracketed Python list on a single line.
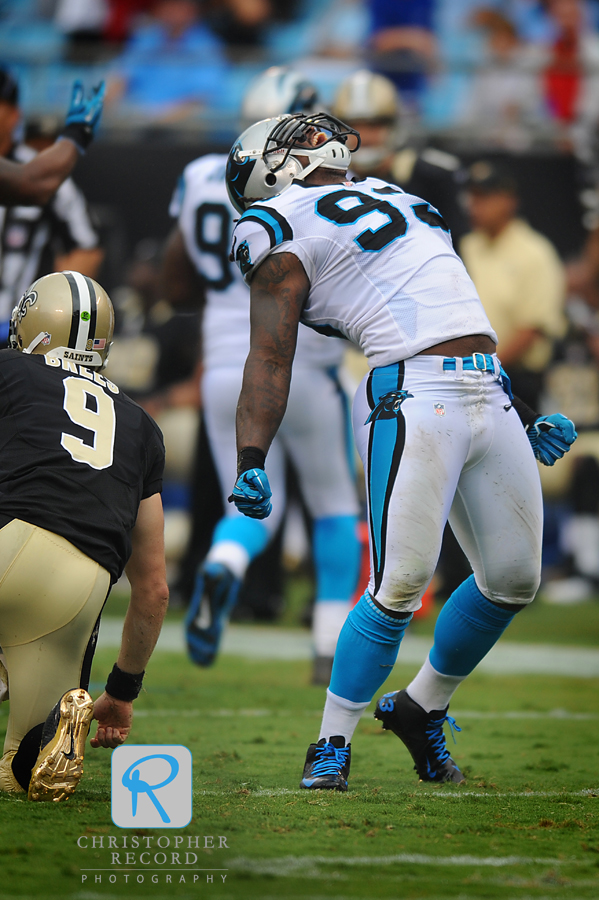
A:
[(130, 185)]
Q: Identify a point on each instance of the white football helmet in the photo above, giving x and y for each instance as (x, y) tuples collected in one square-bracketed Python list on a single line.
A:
[(275, 92), (264, 160)]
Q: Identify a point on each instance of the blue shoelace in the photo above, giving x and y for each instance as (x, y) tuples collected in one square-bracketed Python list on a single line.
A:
[(329, 759), (434, 731)]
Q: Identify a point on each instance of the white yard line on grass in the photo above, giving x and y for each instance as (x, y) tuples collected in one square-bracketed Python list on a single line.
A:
[(285, 713), (255, 642), (292, 865), (438, 794)]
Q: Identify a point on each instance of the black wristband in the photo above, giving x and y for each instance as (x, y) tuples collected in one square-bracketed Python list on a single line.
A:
[(122, 685), (250, 458), (81, 134), (527, 415)]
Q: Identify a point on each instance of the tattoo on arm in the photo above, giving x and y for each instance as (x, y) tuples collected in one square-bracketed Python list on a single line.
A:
[(279, 291)]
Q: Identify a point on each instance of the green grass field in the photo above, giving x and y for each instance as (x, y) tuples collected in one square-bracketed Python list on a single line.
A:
[(526, 825)]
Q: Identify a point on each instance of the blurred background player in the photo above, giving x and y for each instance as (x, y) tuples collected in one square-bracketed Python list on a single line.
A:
[(518, 276), (36, 240), (369, 102), (81, 471), (314, 434)]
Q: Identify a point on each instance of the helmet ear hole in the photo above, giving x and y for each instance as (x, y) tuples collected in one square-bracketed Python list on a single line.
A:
[(270, 179)]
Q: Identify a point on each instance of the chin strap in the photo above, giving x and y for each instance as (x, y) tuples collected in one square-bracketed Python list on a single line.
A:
[(313, 165), (35, 342)]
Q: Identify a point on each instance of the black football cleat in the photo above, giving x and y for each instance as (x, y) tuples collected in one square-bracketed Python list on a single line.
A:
[(59, 766), (327, 765), (422, 733)]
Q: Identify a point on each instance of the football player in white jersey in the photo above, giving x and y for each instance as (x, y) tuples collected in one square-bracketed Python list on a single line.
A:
[(437, 428), (315, 432)]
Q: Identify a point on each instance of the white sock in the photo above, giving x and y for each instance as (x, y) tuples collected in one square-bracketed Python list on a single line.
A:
[(232, 555), (431, 690), (327, 622), (340, 717)]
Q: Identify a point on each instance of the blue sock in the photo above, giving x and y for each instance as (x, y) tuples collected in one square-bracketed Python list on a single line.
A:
[(366, 651), (467, 627), (250, 533), (336, 552)]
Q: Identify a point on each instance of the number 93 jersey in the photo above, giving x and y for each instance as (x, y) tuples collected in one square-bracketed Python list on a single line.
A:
[(76, 455), (381, 265), (206, 219)]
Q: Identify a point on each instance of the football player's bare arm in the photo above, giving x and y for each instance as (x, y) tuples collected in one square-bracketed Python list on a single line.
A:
[(149, 599), (181, 285), (34, 183), (86, 260), (511, 352), (279, 291)]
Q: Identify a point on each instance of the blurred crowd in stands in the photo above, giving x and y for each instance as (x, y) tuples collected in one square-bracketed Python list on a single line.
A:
[(466, 88), (511, 71)]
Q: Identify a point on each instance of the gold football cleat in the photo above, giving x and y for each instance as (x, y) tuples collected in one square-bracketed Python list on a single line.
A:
[(59, 766)]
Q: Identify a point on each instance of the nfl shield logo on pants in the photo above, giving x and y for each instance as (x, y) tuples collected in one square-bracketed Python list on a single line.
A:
[(439, 409)]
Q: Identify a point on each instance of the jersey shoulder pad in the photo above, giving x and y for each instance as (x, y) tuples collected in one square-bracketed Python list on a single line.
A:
[(206, 168), (8, 355), (259, 230)]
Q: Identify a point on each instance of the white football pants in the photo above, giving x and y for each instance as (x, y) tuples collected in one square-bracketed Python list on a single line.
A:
[(446, 444), (314, 433)]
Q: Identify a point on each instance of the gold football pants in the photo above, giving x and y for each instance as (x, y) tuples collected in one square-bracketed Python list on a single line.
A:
[(51, 595)]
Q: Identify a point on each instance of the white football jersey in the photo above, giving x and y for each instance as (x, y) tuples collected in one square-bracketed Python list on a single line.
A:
[(381, 265), (206, 219)]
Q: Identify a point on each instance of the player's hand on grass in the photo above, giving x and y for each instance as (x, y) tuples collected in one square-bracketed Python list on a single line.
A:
[(551, 437), (114, 721), (251, 494)]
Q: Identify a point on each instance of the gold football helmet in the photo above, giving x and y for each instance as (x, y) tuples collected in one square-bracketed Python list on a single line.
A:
[(64, 315), (367, 97)]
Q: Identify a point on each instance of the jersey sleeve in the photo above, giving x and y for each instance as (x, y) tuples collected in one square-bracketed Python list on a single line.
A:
[(70, 209), (152, 483), (176, 204), (258, 232)]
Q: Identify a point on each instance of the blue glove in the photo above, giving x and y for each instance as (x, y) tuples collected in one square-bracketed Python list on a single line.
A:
[(83, 115), (251, 494), (550, 437)]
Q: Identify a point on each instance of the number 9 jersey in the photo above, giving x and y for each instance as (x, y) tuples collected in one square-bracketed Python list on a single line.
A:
[(76, 454), (382, 269)]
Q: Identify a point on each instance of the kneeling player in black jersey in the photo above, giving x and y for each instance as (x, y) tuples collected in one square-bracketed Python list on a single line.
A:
[(80, 478)]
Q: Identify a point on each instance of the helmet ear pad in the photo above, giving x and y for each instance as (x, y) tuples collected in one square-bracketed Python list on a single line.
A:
[(278, 180)]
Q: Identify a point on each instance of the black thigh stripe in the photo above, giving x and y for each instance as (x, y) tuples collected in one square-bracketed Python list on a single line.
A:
[(369, 396), (375, 561), (93, 310), (400, 442), (76, 318)]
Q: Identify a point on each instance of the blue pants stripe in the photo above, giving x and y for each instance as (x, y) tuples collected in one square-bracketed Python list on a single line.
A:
[(385, 447)]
